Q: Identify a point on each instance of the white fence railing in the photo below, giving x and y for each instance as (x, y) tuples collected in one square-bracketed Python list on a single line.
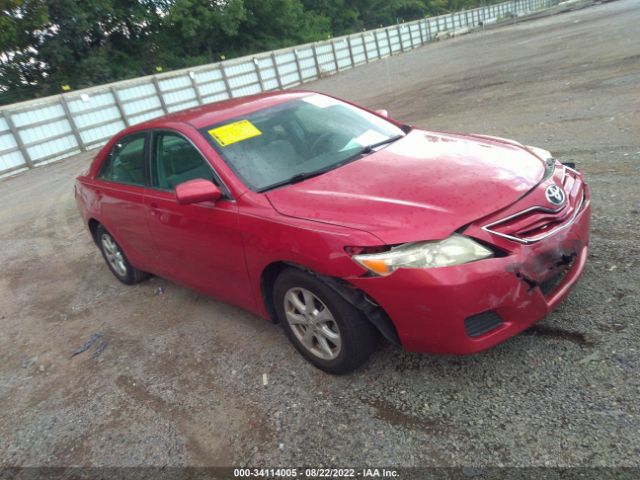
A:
[(48, 129)]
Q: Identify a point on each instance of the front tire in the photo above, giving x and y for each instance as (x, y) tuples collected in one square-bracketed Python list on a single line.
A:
[(326, 329), (116, 259)]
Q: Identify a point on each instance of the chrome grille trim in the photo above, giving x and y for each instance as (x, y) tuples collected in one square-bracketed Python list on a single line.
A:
[(527, 241)]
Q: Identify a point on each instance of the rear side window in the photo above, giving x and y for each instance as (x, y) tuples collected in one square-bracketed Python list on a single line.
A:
[(125, 163), (175, 161)]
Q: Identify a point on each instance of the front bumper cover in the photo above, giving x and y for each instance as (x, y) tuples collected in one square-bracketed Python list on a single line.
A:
[(429, 306)]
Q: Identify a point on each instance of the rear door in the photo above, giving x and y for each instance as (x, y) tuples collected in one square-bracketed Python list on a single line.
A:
[(199, 245), (119, 188)]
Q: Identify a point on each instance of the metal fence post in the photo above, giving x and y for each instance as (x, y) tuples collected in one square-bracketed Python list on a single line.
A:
[(16, 136), (421, 33), (399, 32), (297, 59), (375, 37), (353, 63), (274, 60), (429, 37), (194, 84), (335, 55), (72, 123), (389, 41), (225, 79), (315, 59), (256, 64), (163, 104), (119, 105), (364, 48)]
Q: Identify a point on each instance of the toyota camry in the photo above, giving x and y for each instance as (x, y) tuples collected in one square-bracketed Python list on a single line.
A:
[(341, 224)]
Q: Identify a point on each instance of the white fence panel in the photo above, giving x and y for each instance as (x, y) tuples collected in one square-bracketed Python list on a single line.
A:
[(44, 130)]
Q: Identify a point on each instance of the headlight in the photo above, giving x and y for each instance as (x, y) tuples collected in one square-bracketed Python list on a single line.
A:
[(455, 250)]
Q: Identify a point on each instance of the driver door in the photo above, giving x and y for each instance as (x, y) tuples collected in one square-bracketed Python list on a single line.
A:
[(198, 245)]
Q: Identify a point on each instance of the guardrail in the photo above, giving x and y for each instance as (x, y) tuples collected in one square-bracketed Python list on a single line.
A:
[(45, 130)]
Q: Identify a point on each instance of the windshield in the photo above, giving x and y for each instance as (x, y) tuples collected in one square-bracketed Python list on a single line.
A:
[(297, 139)]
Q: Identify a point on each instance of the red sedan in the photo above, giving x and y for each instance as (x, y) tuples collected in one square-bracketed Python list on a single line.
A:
[(341, 224)]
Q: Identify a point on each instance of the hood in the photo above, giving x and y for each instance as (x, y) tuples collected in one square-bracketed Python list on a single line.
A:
[(421, 187)]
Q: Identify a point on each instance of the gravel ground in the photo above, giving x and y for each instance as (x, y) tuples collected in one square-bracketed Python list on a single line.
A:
[(180, 378)]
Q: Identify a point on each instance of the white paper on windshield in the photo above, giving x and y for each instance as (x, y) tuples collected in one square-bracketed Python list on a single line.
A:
[(321, 101), (370, 137)]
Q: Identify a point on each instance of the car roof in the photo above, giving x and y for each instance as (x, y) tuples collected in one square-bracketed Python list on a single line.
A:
[(213, 113)]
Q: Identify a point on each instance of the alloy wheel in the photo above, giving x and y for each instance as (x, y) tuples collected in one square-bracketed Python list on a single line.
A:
[(114, 255), (312, 323)]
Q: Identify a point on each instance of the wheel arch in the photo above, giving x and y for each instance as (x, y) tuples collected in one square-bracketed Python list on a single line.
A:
[(267, 280), (93, 227), (352, 294)]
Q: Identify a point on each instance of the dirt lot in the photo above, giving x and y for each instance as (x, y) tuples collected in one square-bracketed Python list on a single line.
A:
[(180, 379)]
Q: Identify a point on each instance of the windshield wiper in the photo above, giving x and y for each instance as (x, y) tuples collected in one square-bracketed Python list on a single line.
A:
[(369, 148), (299, 177)]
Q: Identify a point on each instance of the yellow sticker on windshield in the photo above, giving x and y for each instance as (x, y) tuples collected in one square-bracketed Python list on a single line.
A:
[(234, 132)]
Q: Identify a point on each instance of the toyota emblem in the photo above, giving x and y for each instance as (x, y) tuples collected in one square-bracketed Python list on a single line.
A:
[(555, 195)]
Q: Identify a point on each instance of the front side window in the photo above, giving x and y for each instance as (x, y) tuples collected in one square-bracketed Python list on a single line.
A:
[(125, 163), (175, 161), (296, 139)]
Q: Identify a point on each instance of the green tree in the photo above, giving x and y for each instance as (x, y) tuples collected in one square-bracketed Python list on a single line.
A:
[(94, 41), (45, 44), (21, 25), (197, 31), (271, 24), (343, 15)]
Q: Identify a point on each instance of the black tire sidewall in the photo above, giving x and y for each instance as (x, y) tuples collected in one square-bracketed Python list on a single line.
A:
[(357, 334)]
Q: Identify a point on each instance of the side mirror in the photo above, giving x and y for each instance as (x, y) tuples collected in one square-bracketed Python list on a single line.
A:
[(196, 191), (383, 113)]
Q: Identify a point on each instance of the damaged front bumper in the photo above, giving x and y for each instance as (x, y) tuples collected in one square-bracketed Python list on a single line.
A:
[(468, 308)]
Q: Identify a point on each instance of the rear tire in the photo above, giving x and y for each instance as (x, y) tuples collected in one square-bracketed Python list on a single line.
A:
[(116, 259), (326, 329)]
